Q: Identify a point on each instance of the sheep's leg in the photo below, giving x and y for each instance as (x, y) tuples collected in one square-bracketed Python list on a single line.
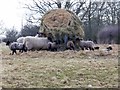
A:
[(14, 51), (91, 48), (50, 47), (67, 48), (24, 49), (55, 49), (86, 48), (19, 50), (72, 48), (82, 48)]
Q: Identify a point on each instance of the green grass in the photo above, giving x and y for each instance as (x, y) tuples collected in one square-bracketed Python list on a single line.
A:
[(71, 69)]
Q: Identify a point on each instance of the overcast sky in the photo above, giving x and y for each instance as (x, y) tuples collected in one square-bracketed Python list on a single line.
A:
[(12, 13)]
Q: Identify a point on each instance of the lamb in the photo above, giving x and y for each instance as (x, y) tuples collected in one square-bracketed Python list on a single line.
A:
[(37, 43), (109, 48), (16, 46)]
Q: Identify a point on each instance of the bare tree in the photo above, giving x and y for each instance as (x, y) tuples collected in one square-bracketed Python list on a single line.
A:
[(108, 34), (29, 30), (11, 35), (94, 15), (38, 8)]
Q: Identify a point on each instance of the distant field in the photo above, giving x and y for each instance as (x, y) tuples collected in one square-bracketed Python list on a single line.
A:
[(67, 69)]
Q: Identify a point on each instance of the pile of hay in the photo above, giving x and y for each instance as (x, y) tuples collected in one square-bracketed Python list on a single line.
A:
[(61, 21)]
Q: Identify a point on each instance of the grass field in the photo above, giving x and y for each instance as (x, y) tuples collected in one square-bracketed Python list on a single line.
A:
[(63, 69)]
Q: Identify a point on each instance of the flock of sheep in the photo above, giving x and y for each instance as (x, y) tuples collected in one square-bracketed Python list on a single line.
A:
[(31, 43), (24, 44)]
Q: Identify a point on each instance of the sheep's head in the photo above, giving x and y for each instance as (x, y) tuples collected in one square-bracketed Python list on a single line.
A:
[(8, 43), (52, 46), (109, 48)]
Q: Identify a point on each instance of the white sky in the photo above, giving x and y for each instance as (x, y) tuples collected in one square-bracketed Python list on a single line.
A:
[(11, 13)]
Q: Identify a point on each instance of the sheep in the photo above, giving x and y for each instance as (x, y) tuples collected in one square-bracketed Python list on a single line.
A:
[(16, 46), (37, 43), (20, 39), (109, 48), (70, 45), (85, 44)]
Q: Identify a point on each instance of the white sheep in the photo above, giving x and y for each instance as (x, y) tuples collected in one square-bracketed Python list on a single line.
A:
[(109, 48), (20, 39), (37, 43)]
